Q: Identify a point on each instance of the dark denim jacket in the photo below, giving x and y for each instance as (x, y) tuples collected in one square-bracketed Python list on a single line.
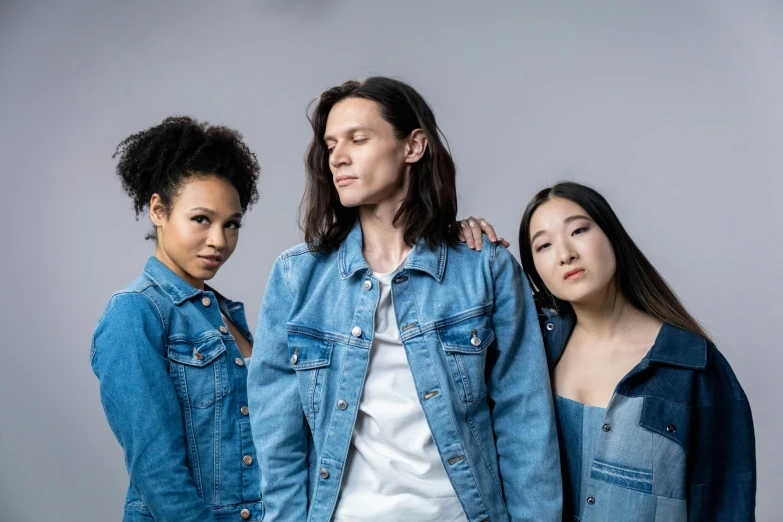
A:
[(680, 443)]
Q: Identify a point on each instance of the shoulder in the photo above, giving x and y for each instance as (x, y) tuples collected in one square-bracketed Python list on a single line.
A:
[(490, 253), (142, 297), (717, 382)]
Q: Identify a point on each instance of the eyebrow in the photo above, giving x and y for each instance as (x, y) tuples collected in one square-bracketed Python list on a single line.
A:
[(565, 222), (349, 130), (212, 212)]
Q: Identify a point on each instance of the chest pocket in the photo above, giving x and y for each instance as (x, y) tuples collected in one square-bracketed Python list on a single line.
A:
[(466, 345), (310, 357), (198, 370)]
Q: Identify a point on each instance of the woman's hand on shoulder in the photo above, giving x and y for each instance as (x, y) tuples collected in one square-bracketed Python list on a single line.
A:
[(471, 229)]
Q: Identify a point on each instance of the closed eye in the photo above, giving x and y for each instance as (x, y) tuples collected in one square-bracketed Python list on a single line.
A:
[(542, 247), (359, 141)]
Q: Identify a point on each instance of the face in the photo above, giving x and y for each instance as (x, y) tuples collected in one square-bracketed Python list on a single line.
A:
[(369, 164), (201, 231), (571, 253)]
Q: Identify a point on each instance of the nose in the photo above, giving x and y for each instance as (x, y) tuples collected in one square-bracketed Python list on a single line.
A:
[(339, 156), (567, 254), (217, 238)]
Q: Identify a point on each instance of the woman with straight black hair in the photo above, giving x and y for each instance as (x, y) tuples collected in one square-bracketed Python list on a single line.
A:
[(653, 424), (402, 376)]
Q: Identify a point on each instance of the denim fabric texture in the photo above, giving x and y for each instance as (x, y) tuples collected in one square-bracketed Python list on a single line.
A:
[(677, 440), (471, 335), (173, 390)]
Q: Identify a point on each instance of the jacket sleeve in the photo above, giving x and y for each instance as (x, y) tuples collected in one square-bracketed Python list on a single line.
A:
[(519, 389), (722, 463), (142, 408), (276, 413)]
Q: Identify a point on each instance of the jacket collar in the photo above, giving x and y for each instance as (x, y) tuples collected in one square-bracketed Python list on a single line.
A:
[(673, 346), (172, 284), (351, 260)]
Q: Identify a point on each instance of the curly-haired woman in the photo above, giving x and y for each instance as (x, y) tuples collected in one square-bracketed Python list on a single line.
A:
[(169, 351)]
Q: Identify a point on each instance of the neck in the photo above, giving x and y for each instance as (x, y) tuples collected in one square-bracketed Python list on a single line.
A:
[(607, 315), (161, 255), (383, 243)]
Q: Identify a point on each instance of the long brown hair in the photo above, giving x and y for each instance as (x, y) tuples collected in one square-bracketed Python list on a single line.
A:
[(429, 210), (636, 278)]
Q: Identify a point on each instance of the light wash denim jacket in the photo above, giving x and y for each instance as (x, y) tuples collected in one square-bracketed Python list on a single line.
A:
[(173, 386), (677, 442), (470, 331)]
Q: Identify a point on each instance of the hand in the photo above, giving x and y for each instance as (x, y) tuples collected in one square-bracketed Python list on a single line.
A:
[(471, 229)]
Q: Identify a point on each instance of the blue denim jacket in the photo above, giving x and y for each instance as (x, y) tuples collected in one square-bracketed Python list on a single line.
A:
[(472, 338), (677, 443), (173, 386)]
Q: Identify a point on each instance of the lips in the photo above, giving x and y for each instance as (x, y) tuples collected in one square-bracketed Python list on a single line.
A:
[(573, 274), (342, 181), (211, 261)]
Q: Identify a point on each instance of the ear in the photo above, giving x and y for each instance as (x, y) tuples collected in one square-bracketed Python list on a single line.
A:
[(415, 146), (157, 211)]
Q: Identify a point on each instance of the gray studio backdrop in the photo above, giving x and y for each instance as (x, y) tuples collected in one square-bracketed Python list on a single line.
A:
[(673, 110)]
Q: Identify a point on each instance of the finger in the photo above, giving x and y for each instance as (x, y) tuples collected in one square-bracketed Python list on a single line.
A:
[(467, 233), (504, 242), (460, 233), (475, 228), (488, 229)]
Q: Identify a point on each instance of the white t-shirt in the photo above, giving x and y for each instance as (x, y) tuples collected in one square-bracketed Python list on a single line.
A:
[(394, 471)]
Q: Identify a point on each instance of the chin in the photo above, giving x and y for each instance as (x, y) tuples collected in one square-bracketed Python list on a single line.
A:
[(350, 202)]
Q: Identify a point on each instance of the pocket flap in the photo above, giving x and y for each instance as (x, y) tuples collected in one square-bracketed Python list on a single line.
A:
[(472, 335), (197, 353), (307, 352)]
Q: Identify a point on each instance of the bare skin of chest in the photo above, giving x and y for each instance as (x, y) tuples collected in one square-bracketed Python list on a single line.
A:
[(591, 368), (245, 348)]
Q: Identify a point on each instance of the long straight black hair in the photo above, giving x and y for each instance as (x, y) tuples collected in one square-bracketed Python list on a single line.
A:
[(429, 210), (635, 277)]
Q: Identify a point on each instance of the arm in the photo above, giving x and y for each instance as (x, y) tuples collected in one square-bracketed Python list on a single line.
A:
[(523, 414), (722, 463), (142, 407), (276, 414)]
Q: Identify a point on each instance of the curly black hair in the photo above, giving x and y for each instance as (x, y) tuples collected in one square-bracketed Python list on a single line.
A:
[(160, 159)]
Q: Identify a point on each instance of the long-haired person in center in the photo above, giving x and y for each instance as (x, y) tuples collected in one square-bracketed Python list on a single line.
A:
[(170, 352), (399, 375), (653, 424)]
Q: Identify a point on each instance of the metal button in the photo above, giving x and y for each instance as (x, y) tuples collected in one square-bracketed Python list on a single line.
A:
[(429, 395), (341, 404), (244, 410), (550, 326), (454, 460), (198, 355), (324, 473), (671, 428), (294, 359), (245, 514), (606, 427), (401, 279), (475, 341), (247, 460), (368, 285), (206, 301), (356, 332), (223, 329), (591, 500), (239, 361)]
